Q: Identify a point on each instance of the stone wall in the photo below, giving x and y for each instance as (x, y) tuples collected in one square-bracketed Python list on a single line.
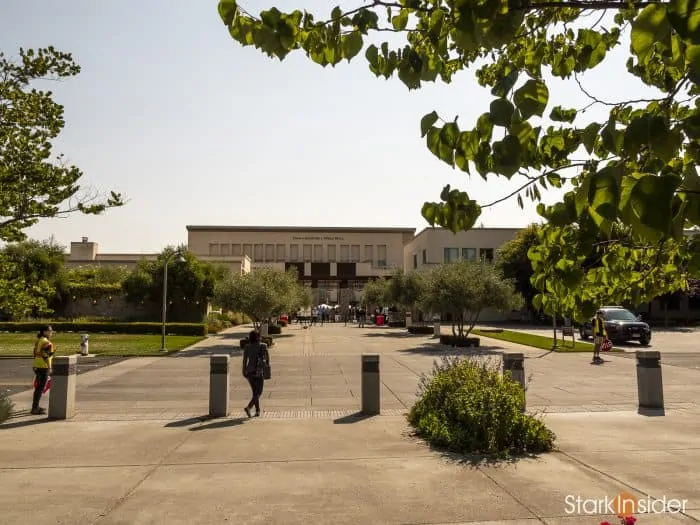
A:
[(117, 307)]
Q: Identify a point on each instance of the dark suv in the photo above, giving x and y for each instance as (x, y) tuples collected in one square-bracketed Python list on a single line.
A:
[(622, 326)]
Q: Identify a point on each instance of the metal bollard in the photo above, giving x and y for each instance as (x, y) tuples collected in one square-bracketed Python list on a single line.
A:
[(84, 347), (514, 362), (371, 401), (62, 393), (650, 387), (219, 385)]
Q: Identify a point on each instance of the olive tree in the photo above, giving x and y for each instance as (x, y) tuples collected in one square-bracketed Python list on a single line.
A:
[(261, 294), (405, 289), (465, 289), (376, 292)]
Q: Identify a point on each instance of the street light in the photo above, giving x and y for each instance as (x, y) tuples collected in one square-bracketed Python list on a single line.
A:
[(180, 259)]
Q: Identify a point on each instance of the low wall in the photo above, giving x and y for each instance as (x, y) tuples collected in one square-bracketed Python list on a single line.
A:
[(118, 307)]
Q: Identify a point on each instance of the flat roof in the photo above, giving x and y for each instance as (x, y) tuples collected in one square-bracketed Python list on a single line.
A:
[(330, 229), (476, 228)]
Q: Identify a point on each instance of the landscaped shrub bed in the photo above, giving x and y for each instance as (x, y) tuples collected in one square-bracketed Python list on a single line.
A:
[(274, 329), (460, 342), (419, 329), (216, 322), (468, 406), (269, 341), (199, 329)]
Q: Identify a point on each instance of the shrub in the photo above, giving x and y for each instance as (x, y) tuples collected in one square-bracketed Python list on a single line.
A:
[(238, 318), (274, 329), (422, 330), (6, 407), (269, 341), (282, 323), (459, 341), (468, 406), (109, 328), (217, 322)]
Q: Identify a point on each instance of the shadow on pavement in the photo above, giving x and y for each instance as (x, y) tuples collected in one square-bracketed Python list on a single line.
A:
[(233, 350), (352, 418), (395, 335), (224, 423), (24, 422), (651, 412), (438, 349), (187, 422), (482, 460)]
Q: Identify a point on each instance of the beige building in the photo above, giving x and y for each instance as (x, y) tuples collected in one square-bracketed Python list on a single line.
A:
[(334, 262)]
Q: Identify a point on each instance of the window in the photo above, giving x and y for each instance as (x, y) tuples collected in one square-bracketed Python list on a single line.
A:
[(331, 252), (344, 253), (269, 252), (415, 261), (225, 250), (280, 252), (355, 253), (451, 255), (236, 250), (258, 253), (469, 254), (214, 249), (486, 254), (318, 252), (381, 255), (307, 252), (293, 252), (425, 256), (369, 253), (248, 250)]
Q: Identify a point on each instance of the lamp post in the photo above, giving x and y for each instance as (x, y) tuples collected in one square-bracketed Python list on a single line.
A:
[(179, 258)]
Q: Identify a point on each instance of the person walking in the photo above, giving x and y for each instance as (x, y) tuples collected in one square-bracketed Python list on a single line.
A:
[(600, 334), (43, 359), (256, 369)]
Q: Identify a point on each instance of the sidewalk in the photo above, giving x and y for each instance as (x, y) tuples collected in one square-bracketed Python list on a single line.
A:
[(135, 455)]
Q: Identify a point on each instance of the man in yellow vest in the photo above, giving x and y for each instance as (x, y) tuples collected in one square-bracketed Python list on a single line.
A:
[(600, 334), (43, 359)]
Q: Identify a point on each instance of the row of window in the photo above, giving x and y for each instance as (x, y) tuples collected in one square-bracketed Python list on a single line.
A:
[(456, 254), (303, 252)]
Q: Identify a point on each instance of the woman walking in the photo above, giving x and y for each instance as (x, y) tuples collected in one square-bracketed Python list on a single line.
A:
[(43, 357), (256, 368)]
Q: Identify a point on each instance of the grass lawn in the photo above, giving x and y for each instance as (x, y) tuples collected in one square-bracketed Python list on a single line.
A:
[(537, 341), (126, 345)]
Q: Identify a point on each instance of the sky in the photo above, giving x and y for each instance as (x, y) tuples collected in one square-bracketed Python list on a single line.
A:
[(194, 129)]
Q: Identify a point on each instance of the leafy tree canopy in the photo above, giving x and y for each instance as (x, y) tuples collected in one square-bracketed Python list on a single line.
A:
[(406, 288), (33, 185), (465, 289), (376, 293), (190, 281), (633, 171), (512, 259), (262, 294)]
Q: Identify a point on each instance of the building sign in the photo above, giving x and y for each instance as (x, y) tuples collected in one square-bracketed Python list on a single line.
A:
[(318, 238)]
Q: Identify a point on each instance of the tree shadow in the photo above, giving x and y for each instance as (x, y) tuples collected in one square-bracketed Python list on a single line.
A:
[(437, 349), (392, 334), (234, 350), (223, 423), (352, 418)]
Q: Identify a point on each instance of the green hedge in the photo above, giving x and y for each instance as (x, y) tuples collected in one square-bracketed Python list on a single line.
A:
[(422, 330), (461, 342), (199, 329), (274, 329)]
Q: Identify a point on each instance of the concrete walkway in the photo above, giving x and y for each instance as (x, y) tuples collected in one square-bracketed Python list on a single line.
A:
[(138, 451)]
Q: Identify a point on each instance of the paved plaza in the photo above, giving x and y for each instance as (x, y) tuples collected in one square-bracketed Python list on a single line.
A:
[(140, 451)]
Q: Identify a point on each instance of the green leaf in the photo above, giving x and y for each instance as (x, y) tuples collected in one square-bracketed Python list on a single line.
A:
[(531, 98), (501, 112), (227, 11), (692, 59), (427, 122), (400, 21), (650, 200), (604, 198), (613, 139), (505, 83), (559, 114), (590, 135), (372, 56), (352, 45), (506, 156), (684, 16), (649, 28)]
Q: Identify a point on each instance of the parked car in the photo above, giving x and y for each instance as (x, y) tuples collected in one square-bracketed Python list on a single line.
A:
[(622, 326)]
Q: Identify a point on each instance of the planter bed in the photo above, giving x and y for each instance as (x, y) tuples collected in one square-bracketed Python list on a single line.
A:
[(460, 342)]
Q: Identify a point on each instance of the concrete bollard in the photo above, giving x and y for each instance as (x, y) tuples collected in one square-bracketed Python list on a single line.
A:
[(650, 387), (219, 385), (436, 329), (264, 330), (371, 401), (84, 345), (514, 362), (62, 393), (409, 320)]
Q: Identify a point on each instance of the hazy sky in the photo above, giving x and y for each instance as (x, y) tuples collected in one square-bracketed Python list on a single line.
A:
[(195, 129)]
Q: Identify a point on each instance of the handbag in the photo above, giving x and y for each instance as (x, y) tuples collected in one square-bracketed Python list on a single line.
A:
[(263, 368), (606, 345)]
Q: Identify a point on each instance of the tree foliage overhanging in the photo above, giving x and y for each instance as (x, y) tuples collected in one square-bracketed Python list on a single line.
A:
[(634, 172)]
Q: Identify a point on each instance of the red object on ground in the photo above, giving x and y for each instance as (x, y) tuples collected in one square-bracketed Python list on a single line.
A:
[(380, 320), (284, 317)]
